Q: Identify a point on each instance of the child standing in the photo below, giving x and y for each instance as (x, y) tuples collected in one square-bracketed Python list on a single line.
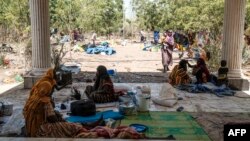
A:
[(222, 74)]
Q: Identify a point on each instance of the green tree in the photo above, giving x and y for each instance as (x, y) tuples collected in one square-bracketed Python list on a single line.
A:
[(103, 16), (14, 17)]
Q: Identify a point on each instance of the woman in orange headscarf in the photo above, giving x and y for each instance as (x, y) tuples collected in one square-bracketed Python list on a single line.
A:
[(40, 118), (39, 107)]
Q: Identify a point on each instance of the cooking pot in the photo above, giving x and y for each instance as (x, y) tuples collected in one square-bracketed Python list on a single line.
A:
[(6, 109), (126, 108)]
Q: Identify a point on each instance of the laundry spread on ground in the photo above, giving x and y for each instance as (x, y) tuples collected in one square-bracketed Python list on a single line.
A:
[(103, 48), (151, 47), (207, 88)]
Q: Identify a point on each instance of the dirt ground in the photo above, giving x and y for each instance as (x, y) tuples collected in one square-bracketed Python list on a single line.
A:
[(133, 66), (213, 123), (130, 62)]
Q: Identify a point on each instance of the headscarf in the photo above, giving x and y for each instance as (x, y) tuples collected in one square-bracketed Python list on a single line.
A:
[(49, 77), (170, 38), (41, 91), (34, 110), (183, 65), (201, 62), (202, 65), (102, 73)]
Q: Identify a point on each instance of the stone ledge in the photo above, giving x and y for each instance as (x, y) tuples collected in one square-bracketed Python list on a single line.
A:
[(239, 84)]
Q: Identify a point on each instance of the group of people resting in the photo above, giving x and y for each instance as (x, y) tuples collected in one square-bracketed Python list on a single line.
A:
[(179, 75), (41, 120)]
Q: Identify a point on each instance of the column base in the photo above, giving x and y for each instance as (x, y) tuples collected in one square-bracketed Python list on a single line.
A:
[(31, 77), (235, 74), (38, 72), (239, 84)]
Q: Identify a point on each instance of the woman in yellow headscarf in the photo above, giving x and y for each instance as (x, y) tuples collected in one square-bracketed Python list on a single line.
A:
[(39, 107), (179, 75)]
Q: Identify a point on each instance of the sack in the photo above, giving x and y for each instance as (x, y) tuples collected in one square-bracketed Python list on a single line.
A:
[(83, 107)]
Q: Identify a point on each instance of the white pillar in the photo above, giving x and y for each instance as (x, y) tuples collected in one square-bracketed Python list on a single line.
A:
[(41, 56), (233, 29)]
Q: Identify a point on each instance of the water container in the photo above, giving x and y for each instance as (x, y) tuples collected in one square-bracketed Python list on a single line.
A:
[(143, 101)]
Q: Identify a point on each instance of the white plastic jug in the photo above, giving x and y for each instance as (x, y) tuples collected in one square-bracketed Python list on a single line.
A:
[(143, 102)]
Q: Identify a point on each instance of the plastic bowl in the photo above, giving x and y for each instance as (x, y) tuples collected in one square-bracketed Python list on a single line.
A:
[(139, 127)]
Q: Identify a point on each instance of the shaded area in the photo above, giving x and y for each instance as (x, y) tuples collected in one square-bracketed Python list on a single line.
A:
[(126, 77)]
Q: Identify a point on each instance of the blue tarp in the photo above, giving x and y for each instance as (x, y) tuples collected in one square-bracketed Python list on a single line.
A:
[(106, 114), (104, 47)]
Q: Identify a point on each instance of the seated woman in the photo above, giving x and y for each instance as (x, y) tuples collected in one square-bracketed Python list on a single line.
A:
[(201, 72), (179, 75), (39, 108), (103, 89)]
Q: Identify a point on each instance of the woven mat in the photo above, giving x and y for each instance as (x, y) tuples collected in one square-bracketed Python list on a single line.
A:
[(162, 124)]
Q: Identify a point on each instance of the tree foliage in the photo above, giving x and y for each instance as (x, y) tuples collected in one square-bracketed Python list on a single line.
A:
[(103, 16), (14, 17), (194, 15)]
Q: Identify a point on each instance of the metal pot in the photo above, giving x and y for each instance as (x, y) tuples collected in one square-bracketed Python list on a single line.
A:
[(127, 108), (6, 109)]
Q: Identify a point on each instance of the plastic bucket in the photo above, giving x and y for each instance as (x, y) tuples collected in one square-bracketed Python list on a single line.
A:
[(143, 102), (111, 72), (6, 109)]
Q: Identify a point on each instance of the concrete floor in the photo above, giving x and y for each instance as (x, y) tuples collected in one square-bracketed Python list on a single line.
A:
[(201, 102)]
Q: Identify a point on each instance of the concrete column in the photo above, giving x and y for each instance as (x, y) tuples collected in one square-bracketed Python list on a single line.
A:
[(234, 17), (41, 56), (233, 29)]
